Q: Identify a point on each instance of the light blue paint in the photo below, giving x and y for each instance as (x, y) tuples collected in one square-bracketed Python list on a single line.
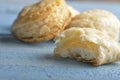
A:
[(22, 61)]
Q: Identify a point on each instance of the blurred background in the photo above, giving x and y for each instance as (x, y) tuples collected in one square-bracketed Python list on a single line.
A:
[(9, 9)]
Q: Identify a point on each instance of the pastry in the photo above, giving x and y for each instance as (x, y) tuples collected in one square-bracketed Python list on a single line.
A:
[(87, 45), (41, 21), (73, 11), (99, 19)]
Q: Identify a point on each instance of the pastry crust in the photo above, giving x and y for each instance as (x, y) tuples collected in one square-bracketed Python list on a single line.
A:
[(41, 21), (99, 19), (87, 45)]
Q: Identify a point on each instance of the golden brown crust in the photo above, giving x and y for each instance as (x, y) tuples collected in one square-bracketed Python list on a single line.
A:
[(41, 21), (46, 36)]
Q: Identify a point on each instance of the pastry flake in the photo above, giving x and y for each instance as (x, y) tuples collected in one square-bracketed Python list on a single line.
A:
[(73, 11)]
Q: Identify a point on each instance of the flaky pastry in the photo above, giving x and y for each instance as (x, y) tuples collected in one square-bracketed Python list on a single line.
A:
[(41, 21), (101, 20), (87, 45)]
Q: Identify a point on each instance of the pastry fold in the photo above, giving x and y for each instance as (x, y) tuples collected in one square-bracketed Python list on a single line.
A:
[(87, 45), (41, 21)]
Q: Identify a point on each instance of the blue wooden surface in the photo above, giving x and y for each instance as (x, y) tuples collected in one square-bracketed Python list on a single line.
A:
[(22, 61)]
